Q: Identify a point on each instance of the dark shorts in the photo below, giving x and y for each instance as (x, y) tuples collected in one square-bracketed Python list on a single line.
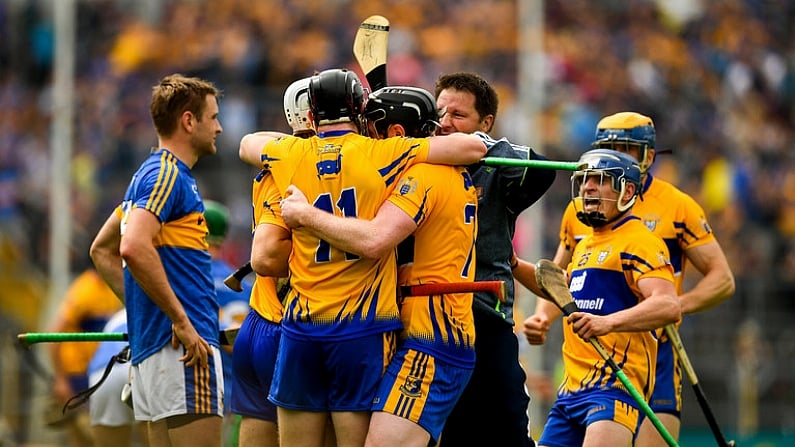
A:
[(571, 415), (667, 394), (421, 389), (322, 375), (493, 408), (252, 366)]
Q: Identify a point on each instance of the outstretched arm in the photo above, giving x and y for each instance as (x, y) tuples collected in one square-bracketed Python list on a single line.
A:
[(456, 149), (251, 145), (371, 239)]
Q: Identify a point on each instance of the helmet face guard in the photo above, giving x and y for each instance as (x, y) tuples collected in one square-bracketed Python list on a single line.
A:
[(625, 130), (608, 165), (296, 106)]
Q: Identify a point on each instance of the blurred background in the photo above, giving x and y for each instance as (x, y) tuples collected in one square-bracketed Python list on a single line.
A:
[(716, 76)]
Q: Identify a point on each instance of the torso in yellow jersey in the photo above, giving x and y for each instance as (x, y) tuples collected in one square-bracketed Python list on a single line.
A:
[(668, 212), (443, 202), (337, 295), (265, 201), (603, 278)]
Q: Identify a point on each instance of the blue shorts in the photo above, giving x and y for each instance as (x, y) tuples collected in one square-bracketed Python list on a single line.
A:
[(321, 375), (421, 389), (571, 415), (253, 362), (667, 394)]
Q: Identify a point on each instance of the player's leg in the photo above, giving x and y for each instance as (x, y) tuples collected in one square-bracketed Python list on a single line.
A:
[(648, 436), (195, 430), (255, 431), (415, 397), (300, 391), (611, 418), (183, 402), (386, 429), (302, 428), (607, 434), (253, 365), (355, 367)]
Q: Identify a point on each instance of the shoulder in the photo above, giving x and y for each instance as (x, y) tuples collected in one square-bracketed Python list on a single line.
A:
[(672, 195)]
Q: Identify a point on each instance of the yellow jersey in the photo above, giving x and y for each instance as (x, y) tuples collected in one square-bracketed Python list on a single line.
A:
[(337, 295), (603, 279), (668, 212), (443, 202), (265, 199)]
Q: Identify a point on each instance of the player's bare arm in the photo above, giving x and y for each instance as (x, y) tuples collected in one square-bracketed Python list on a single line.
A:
[(715, 286), (659, 307), (456, 149), (270, 250), (106, 257), (144, 263), (536, 326), (250, 150), (371, 239)]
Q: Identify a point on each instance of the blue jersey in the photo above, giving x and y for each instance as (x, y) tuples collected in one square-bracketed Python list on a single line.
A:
[(165, 186)]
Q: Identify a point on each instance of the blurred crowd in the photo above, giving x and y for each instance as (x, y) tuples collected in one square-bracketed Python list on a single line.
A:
[(717, 77)]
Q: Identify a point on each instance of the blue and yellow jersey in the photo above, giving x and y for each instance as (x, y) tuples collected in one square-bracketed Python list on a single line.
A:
[(265, 200), (668, 212), (603, 279), (337, 295), (443, 202), (164, 186), (87, 306)]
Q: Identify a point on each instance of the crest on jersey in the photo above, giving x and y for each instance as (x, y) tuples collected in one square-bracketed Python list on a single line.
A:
[(604, 254), (407, 186), (412, 387), (330, 163), (651, 221)]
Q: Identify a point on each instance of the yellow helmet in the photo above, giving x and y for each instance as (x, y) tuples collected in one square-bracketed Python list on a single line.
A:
[(630, 128)]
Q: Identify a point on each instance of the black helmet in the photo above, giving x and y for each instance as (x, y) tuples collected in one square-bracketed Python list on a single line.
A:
[(336, 96), (412, 107)]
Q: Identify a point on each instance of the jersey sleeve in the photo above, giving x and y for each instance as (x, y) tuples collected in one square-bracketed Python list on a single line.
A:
[(695, 230), (266, 201), (156, 191)]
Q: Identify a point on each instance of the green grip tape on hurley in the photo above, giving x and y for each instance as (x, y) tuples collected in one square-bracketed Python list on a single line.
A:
[(540, 164), (31, 338)]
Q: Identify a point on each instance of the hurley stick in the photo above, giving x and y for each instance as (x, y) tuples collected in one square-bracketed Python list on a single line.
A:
[(495, 287), (369, 48), (679, 347), (541, 164), (225, 337), (234, 280), (552, 282)]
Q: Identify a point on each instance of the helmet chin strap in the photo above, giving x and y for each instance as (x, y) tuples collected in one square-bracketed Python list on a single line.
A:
[(596, 219)]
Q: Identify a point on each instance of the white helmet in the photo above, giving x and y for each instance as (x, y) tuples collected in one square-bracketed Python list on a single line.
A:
[(296, 106)]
